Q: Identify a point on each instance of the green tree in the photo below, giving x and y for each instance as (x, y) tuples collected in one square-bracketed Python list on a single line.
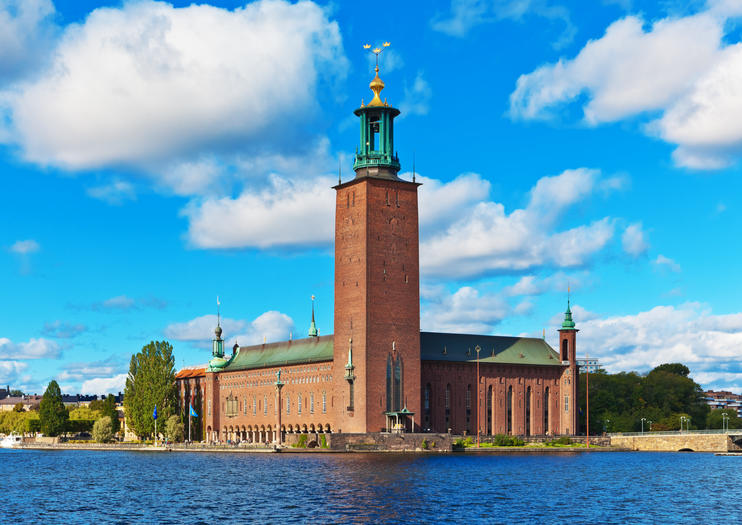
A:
[(174, 429), (96, 404), (108, 408), (715, 418), (16, 393), (18, 407), (151, 381), (102, 430), (52, 412)]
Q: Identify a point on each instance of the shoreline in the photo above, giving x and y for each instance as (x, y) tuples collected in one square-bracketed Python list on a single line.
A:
[(290, 450)]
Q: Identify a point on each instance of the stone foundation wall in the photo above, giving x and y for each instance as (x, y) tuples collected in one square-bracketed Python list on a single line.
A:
[(677, 442), (377, 441)]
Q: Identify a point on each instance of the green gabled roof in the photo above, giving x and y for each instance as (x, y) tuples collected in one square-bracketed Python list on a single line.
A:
[(436, 346), (309, 350)]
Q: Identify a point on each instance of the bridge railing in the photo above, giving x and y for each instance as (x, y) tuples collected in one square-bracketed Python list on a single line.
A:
[(731, 431)]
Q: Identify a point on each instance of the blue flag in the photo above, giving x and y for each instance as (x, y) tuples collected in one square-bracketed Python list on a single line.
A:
[(193, 412), (154, 414)]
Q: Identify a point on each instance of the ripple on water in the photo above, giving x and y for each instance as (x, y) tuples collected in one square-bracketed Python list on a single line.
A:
[(123, 487)]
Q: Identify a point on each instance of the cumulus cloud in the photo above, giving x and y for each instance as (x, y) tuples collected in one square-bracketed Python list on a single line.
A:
[(89, 370), (116, 192), (34, 348), (144, 83), (417, 97), (63, 330), (634, 240), (486, 239), (558, 282), (10, 371), (25, 247), (708, 344), (124, 303), (665, 262), (680, 70), (464, 311), (271, 325), (26, 37), (467, 14), (104, 385)]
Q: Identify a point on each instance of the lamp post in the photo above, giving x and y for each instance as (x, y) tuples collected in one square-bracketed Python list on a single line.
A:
[(643, 420), (479, 400), (650, 425), (605, 425), (684, 419), (725, 421)]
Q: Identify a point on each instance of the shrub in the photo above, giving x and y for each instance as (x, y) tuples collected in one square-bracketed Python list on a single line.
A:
[(424, 444), (323, 441), (102, 430), (173, 429), (18, 408), (302, 443), (502, 440)]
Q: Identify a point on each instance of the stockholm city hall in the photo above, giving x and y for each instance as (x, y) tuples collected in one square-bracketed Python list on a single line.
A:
[(379, 372)]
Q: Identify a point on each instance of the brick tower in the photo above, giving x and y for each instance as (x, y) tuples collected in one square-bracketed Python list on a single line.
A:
[(377, 290), (570, 376)]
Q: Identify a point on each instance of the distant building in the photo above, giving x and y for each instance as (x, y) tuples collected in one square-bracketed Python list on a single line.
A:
[(724, 399), (29, 402), (378, 372), (4, 392)]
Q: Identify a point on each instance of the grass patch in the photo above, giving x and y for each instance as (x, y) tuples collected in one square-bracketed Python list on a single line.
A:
[(302, 443)]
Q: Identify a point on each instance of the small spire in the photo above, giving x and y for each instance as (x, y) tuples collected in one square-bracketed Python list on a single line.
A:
[(313, 332), (218, 329), (568, 323), (339, 170), (413, 166)]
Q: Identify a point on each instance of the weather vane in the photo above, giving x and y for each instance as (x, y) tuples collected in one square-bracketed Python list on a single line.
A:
[(377, 51)]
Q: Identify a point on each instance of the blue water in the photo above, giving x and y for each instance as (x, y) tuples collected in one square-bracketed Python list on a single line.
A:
[(144, 487)]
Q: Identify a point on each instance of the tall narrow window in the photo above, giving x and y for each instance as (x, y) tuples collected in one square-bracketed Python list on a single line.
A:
[(389, 385), (265, 405), (351, 395), (311, 402), (447, 406), (565, 348), (324, 402), (546, 410), (244, 407), (298, 405), (510, 409), (528, 411), (566, 403), (254, 406), (489, 410), (209, 406), (468, 408), (288, 405)]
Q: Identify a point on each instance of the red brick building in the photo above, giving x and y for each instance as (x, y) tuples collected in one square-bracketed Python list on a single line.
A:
[(378, 372)]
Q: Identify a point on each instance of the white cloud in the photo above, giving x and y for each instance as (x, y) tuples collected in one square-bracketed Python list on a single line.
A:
[(116, 192), (708, 344), (34, 348), (417, 97), (679, 68), (10, 371), (288, 213), (464, 311), (147, 82), (467, 14), (485, 239), (25, 247), (104, 385), (26, 35), (63, 330), (89, 370), (666, 262), (120, 302), (558, 282), (271, 325), (634, 240)]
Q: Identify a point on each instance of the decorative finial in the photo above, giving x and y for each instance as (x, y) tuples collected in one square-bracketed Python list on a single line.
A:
[(218, 317), (340, 167), (376, 84), (413, 166)]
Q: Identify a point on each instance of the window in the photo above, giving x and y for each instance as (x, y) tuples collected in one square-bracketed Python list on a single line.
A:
[(566, 403), (468, 397), (244, 407), (546, 410), (265, 405), (254, 406), (298, 405), (324, 402), (288, 405), (510, 409), (426, 402), (351, 395), (565, 348), (209, 406), (447, 405), (311, 402), (528, 411)]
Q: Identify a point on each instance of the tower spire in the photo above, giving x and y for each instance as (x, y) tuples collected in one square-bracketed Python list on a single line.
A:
[(568, 323), (313, 327)]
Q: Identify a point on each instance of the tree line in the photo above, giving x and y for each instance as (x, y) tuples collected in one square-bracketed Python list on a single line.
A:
[(618, 402)]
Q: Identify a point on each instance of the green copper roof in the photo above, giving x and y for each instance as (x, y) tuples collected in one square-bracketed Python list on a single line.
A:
[(568, 323), (309, 350), (494, 349)]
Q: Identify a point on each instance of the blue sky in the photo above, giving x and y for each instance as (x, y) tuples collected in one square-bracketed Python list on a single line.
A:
[(155, 155)]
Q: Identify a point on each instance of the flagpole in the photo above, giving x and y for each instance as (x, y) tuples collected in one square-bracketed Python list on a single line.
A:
[(189, 423)]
